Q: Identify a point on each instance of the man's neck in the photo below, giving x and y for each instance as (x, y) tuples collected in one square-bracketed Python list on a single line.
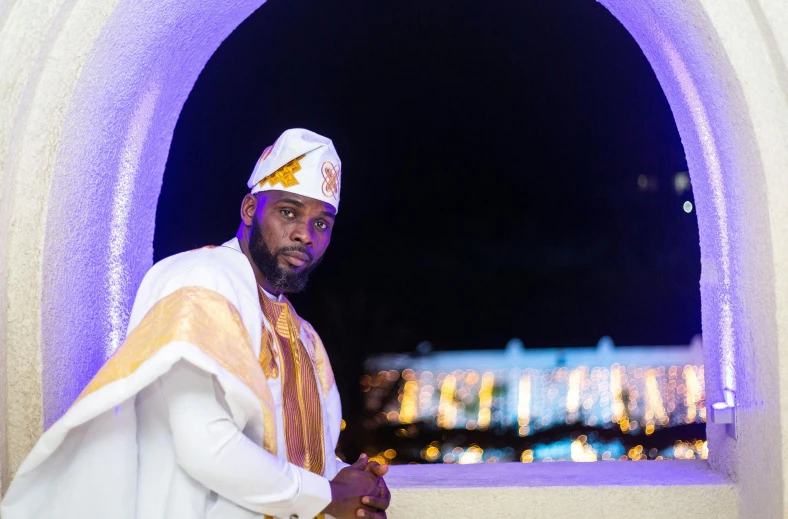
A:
[(271, 296)]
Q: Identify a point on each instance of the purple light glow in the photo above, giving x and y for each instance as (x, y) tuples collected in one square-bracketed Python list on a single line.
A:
[(115, 141), (107, 176), (714, 171), (119, 240)]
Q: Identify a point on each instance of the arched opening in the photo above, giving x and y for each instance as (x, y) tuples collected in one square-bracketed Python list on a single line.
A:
[(509, 167), (113, 143)]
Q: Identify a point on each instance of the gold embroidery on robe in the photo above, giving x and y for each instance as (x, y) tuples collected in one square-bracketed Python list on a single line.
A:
[(210, 322), (301, 404), (267, 354), (324, 370)]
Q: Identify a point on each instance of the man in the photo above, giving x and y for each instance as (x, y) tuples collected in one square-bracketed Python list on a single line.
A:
[(221, 402)]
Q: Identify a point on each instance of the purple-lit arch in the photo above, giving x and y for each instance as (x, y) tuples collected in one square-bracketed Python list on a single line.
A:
[(108, 176), (116, 139)]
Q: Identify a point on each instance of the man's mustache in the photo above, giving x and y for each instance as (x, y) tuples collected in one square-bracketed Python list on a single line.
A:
[(295, 248)]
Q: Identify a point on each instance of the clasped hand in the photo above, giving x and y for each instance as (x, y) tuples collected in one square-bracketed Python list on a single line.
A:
[(359, 491)]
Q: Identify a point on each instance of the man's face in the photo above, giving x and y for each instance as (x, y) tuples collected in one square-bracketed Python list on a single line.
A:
[(289, 235)]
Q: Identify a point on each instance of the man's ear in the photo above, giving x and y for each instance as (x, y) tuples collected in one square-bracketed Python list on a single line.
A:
[(248, 208)]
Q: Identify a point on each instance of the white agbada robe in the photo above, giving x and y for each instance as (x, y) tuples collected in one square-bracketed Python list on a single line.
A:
[(175, 424)]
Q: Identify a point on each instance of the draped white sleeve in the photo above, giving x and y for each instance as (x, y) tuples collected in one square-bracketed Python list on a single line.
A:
[(167, 429), (212, 450)]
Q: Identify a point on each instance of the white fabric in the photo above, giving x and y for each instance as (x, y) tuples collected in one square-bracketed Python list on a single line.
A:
[(318, 173), (214, 452), (180, 437)]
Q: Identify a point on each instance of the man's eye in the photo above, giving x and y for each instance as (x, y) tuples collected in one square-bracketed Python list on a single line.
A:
[(321, 225), (287, 213)]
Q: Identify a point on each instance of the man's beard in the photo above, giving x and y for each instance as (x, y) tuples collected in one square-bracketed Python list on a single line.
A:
[(281, 278)]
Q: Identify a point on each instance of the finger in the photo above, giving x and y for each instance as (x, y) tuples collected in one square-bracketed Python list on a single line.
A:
[(375, 502), (360, 463), (377, 469), (385, 488), (363, 512)]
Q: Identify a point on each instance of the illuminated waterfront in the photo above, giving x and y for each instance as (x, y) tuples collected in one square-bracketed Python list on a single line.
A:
[(578, 412)]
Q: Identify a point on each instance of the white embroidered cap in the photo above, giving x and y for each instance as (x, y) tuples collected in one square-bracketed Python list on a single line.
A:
[(300, 162)]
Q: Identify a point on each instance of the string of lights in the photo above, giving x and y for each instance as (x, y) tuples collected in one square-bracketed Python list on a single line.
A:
[(619, 405)]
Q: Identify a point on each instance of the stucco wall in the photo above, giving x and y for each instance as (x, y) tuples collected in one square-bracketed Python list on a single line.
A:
[(83, 83), (723, 73), (562, 490), (43, 48), (89, 94)]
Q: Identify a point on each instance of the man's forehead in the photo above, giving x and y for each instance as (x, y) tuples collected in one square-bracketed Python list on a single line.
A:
[(276, 196)]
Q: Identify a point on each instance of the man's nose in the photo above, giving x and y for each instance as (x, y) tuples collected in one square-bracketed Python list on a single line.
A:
[(302, 233)]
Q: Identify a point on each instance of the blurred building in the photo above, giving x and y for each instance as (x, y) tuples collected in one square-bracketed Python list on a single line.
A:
[(581, 404)]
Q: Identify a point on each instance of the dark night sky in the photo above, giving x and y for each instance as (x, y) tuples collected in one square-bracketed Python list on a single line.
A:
[(490, 155)]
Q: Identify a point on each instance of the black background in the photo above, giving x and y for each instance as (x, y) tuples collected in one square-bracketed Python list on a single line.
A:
[(490, 159)]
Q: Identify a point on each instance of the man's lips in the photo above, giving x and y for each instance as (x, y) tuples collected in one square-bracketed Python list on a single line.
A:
[(297, 258)]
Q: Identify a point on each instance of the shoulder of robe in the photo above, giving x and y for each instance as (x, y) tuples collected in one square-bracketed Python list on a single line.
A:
[(208, 267), (219, 269), (219, 258)]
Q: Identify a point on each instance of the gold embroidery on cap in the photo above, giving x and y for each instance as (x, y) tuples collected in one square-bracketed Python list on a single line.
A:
[(266, 152), (330, 179), (284, 175)]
